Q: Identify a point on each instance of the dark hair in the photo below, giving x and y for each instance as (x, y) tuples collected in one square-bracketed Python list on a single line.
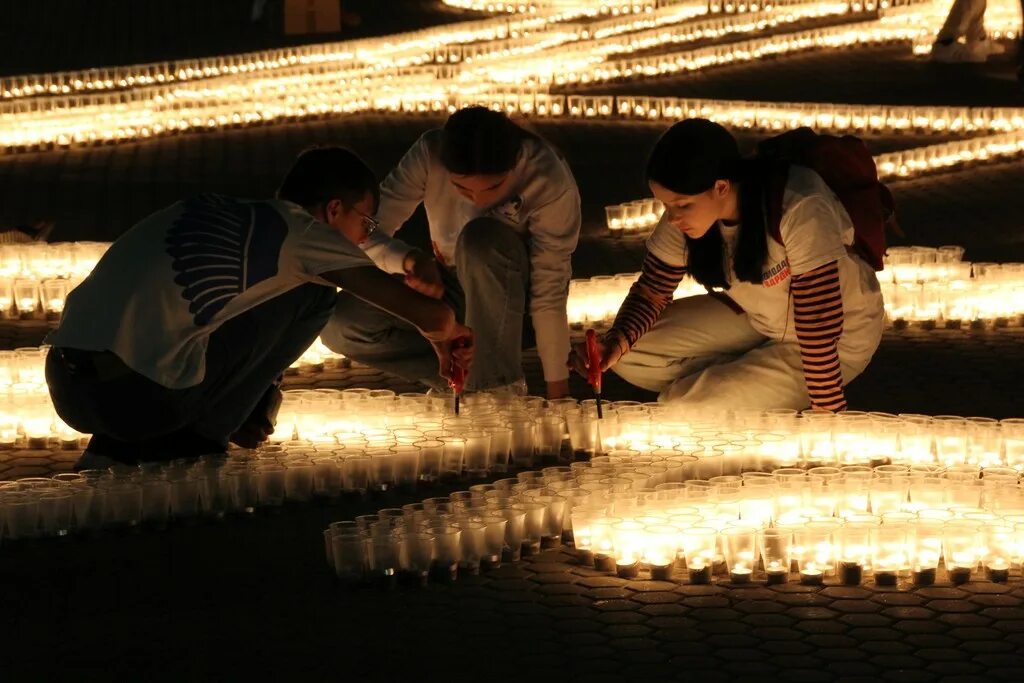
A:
[(480, 141), (687, 159), (321, 174)]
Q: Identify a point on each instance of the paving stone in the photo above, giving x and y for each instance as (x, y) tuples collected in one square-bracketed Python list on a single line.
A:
[(887, 647), (865, 620), (952, 606), (706, 601), (853, 668), (664, 610), (898, 599), (787, 647), (573, 612), (671, 622), (1000, 660), (634, 643), (941, 593), (908, 676), (650, 586), (622, 618), (922, 627), (578, 625), (580, 639), (811, 613), (857, 606), (866, 634), (610, 593), (956, 670), (824, 640), (723, 627), (760, 607), (679, 634), (847, 593), (988, 646), (816, 626), (1010, 625), (777, 633), (957, 620), (932, 641), (654, 598), (618, 631), (615, 605), (909, 613), (693, 591)]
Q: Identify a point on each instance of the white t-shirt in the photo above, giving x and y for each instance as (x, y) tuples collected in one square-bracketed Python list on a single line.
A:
[(815, 230), (165, 285), (543, 206)]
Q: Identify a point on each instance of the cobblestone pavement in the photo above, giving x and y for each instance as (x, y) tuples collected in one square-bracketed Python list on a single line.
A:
[(253, 598)]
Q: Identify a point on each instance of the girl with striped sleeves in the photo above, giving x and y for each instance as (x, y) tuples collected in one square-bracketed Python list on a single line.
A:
[(786, 323)]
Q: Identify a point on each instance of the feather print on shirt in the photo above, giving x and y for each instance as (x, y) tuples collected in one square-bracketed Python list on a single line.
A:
[(220, 248)]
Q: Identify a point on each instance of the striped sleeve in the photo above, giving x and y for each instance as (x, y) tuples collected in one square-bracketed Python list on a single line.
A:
[(647, 298), (818, 313)]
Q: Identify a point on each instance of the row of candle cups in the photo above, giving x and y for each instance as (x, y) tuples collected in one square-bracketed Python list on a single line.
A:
[(30, 299), (47, 260), (896, 548), (673, 530), (635, 216)]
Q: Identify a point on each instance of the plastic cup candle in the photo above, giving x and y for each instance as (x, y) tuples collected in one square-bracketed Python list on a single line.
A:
[(815, 551), (700, 547), (889, 553), (1000, 542), (775, 554), (925, 541), (962, 541), (629, 543), (603, 543), (615, 218), (740, 553), (855, 552), (660, 548)]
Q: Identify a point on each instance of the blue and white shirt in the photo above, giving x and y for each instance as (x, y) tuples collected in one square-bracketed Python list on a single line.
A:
[(165, 285)]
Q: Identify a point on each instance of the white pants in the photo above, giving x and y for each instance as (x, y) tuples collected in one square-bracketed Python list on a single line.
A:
[(704, 355), (966, 19)]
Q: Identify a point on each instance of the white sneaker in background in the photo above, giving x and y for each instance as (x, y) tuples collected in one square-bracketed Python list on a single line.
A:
[(515, 389), (958, 53), (987, 47)]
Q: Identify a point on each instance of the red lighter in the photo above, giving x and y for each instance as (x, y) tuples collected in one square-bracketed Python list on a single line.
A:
[(594, 368)]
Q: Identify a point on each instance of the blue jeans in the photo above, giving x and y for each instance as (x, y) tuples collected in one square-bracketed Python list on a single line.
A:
[(134, 419), (487, 289)]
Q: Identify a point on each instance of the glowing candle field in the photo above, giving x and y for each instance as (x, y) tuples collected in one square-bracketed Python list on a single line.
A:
[(510, 62)]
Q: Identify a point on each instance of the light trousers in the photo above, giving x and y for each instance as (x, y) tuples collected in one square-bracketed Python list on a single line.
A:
[(703, 354)]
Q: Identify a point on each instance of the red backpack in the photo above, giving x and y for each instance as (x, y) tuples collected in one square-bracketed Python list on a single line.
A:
[(847, 167)]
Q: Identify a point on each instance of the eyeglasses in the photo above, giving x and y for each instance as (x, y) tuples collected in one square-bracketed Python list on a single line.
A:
[(369, 223)]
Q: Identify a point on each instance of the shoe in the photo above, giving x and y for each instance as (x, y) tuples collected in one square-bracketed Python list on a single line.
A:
[(957, 53), (511, 390), (94, 461), (987, 47)]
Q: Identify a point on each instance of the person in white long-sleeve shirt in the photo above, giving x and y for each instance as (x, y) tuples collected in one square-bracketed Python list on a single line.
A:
[(504, 216)]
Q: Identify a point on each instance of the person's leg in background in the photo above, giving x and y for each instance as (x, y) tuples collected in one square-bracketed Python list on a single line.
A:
[(770, 376), (369, 335), (692, 334), (493, 267), (966, 19)]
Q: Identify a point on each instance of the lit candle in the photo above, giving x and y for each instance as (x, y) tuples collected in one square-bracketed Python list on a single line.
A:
[(776, 573)]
